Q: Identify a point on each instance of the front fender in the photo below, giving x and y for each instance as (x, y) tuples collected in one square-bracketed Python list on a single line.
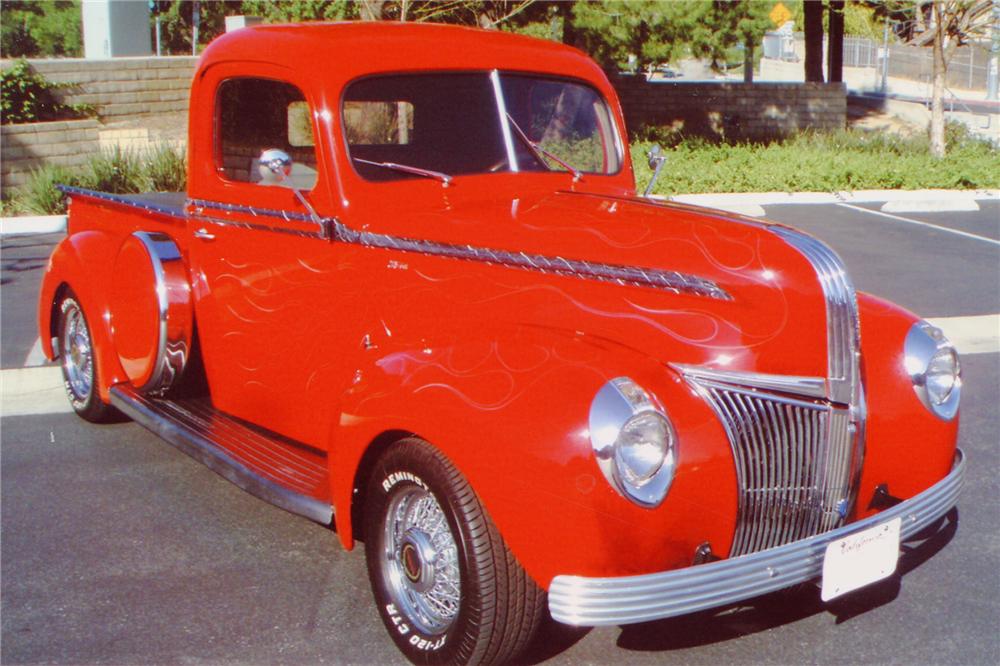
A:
[(511, 411), (82, 262), (907, 448)]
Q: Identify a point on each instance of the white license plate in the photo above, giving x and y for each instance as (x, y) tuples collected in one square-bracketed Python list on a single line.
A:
[(860, 559)]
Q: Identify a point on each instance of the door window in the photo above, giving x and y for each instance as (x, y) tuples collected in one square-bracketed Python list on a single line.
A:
[(254, 115)]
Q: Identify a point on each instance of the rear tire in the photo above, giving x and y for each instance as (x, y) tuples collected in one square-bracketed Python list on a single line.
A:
[(77, 360), (446, 586)]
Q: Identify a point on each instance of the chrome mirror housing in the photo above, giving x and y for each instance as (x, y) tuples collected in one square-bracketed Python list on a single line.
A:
[(656, 161), (275, 166)]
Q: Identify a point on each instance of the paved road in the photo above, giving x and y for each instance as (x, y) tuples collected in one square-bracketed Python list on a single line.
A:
[(116, 548)]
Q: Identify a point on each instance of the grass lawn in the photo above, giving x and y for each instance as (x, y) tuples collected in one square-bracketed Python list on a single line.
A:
[(815, 162)]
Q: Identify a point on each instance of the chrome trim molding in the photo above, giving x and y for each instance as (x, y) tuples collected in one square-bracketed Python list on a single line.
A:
[(592, 602), (624, 275), (814, 387), (150, 414), (333, 229), (508, 139), (173, 295), (843, 332), (119, 199)]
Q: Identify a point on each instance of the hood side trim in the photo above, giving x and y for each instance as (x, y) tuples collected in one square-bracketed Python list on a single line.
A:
[(674, 281)]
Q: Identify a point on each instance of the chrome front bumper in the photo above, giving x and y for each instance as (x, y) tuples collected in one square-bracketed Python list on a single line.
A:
[(591, 602)]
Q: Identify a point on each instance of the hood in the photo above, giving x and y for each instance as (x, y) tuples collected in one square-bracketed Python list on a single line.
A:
[(679, 283)]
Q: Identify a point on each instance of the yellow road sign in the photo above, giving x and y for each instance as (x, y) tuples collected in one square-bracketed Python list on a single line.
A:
[(780, 15)]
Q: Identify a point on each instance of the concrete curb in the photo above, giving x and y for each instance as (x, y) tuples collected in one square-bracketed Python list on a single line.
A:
[(911, 201), (39, 224)]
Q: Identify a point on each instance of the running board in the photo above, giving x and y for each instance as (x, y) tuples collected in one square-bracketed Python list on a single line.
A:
[(287, 474)]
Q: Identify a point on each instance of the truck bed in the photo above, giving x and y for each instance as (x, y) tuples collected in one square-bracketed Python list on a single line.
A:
[(167, 203)]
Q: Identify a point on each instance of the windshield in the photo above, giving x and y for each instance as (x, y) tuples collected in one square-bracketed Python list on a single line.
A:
[(433, 125)]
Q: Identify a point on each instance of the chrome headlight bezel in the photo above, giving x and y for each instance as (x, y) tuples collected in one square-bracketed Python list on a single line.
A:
[(622, 417), (925, 347)]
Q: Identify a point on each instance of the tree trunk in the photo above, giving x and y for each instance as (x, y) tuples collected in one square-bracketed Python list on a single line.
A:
[(835, 50), (937, 91), (748, 61), (813, 16)]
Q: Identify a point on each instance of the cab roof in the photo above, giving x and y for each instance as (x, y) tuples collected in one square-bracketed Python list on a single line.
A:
[(352, 49)]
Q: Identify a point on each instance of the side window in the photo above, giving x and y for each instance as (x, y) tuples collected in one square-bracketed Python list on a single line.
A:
[(254, 115)]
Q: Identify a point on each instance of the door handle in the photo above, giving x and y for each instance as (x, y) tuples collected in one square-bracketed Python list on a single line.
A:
[(203, 234)]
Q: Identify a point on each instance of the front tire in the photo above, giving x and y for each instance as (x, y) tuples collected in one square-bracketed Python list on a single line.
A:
[(78, 363), (446, 586)]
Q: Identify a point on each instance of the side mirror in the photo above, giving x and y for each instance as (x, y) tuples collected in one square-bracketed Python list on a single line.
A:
[(656, 161), (275, 166)]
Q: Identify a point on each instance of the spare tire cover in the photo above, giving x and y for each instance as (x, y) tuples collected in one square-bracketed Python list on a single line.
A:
[(150, 310)]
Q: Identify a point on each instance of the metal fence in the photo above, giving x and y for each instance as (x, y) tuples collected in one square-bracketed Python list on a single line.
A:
[(968, 69)]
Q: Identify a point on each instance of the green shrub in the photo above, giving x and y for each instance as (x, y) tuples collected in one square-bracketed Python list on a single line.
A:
[(26, 96), (118, 171), (166, 169), (39, 195), (821, 162)]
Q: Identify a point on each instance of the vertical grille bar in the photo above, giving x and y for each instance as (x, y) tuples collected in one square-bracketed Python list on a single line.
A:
[(793, 462)]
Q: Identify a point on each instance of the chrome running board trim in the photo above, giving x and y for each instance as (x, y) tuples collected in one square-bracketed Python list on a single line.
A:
[(163, 418), (592, 602)]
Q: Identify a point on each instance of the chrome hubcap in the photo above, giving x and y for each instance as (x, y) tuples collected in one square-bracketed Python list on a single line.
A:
[(78, 358), (420, 560)]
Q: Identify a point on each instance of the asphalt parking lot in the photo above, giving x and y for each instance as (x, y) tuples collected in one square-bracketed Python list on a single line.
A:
[(117, 548)]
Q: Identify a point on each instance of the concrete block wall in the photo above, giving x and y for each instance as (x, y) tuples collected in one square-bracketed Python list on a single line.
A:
[(123, 86), (734, 110), (67, 143)]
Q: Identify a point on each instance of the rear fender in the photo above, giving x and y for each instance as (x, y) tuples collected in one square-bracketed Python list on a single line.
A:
[(82, 262)]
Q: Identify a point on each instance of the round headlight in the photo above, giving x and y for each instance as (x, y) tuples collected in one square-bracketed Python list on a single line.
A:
[(942, 375), (634, 442), (933, 366), (642, 447)]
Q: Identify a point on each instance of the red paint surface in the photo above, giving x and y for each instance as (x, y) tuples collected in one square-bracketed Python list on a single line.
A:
[(333, 344)]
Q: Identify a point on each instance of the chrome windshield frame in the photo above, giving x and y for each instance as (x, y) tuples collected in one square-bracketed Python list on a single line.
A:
[(508, 138)]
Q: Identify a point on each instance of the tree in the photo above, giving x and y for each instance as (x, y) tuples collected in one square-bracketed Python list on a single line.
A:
[(944, 25), (812, 12), (296, 11), (725, 25), (40, 28), (635, 35)]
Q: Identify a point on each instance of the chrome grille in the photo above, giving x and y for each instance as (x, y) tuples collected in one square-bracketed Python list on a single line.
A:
[(793, 463)]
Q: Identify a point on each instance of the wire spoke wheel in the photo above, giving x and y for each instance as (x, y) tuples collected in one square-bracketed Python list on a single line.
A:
[(420, 560), (446, 586), (77, 354), (78, 362)]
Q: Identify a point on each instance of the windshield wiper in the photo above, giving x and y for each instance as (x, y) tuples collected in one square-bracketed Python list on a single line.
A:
[(405, 168), (539, 151)]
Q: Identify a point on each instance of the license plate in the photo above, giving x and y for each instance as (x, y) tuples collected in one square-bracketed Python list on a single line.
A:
[(860, 559)]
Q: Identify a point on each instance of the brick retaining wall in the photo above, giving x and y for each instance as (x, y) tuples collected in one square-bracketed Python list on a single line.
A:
[(734, 110), (122, 86), (68, 143)]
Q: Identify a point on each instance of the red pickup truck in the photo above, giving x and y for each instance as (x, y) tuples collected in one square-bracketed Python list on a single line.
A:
[(411, 291)]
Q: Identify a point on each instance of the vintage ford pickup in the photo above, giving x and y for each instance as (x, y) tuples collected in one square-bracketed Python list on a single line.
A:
[(411, 291)]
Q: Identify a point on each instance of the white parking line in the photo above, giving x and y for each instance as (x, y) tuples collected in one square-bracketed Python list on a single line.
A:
[(899, 218), (971, 335), (32, 391), (35, 356)]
